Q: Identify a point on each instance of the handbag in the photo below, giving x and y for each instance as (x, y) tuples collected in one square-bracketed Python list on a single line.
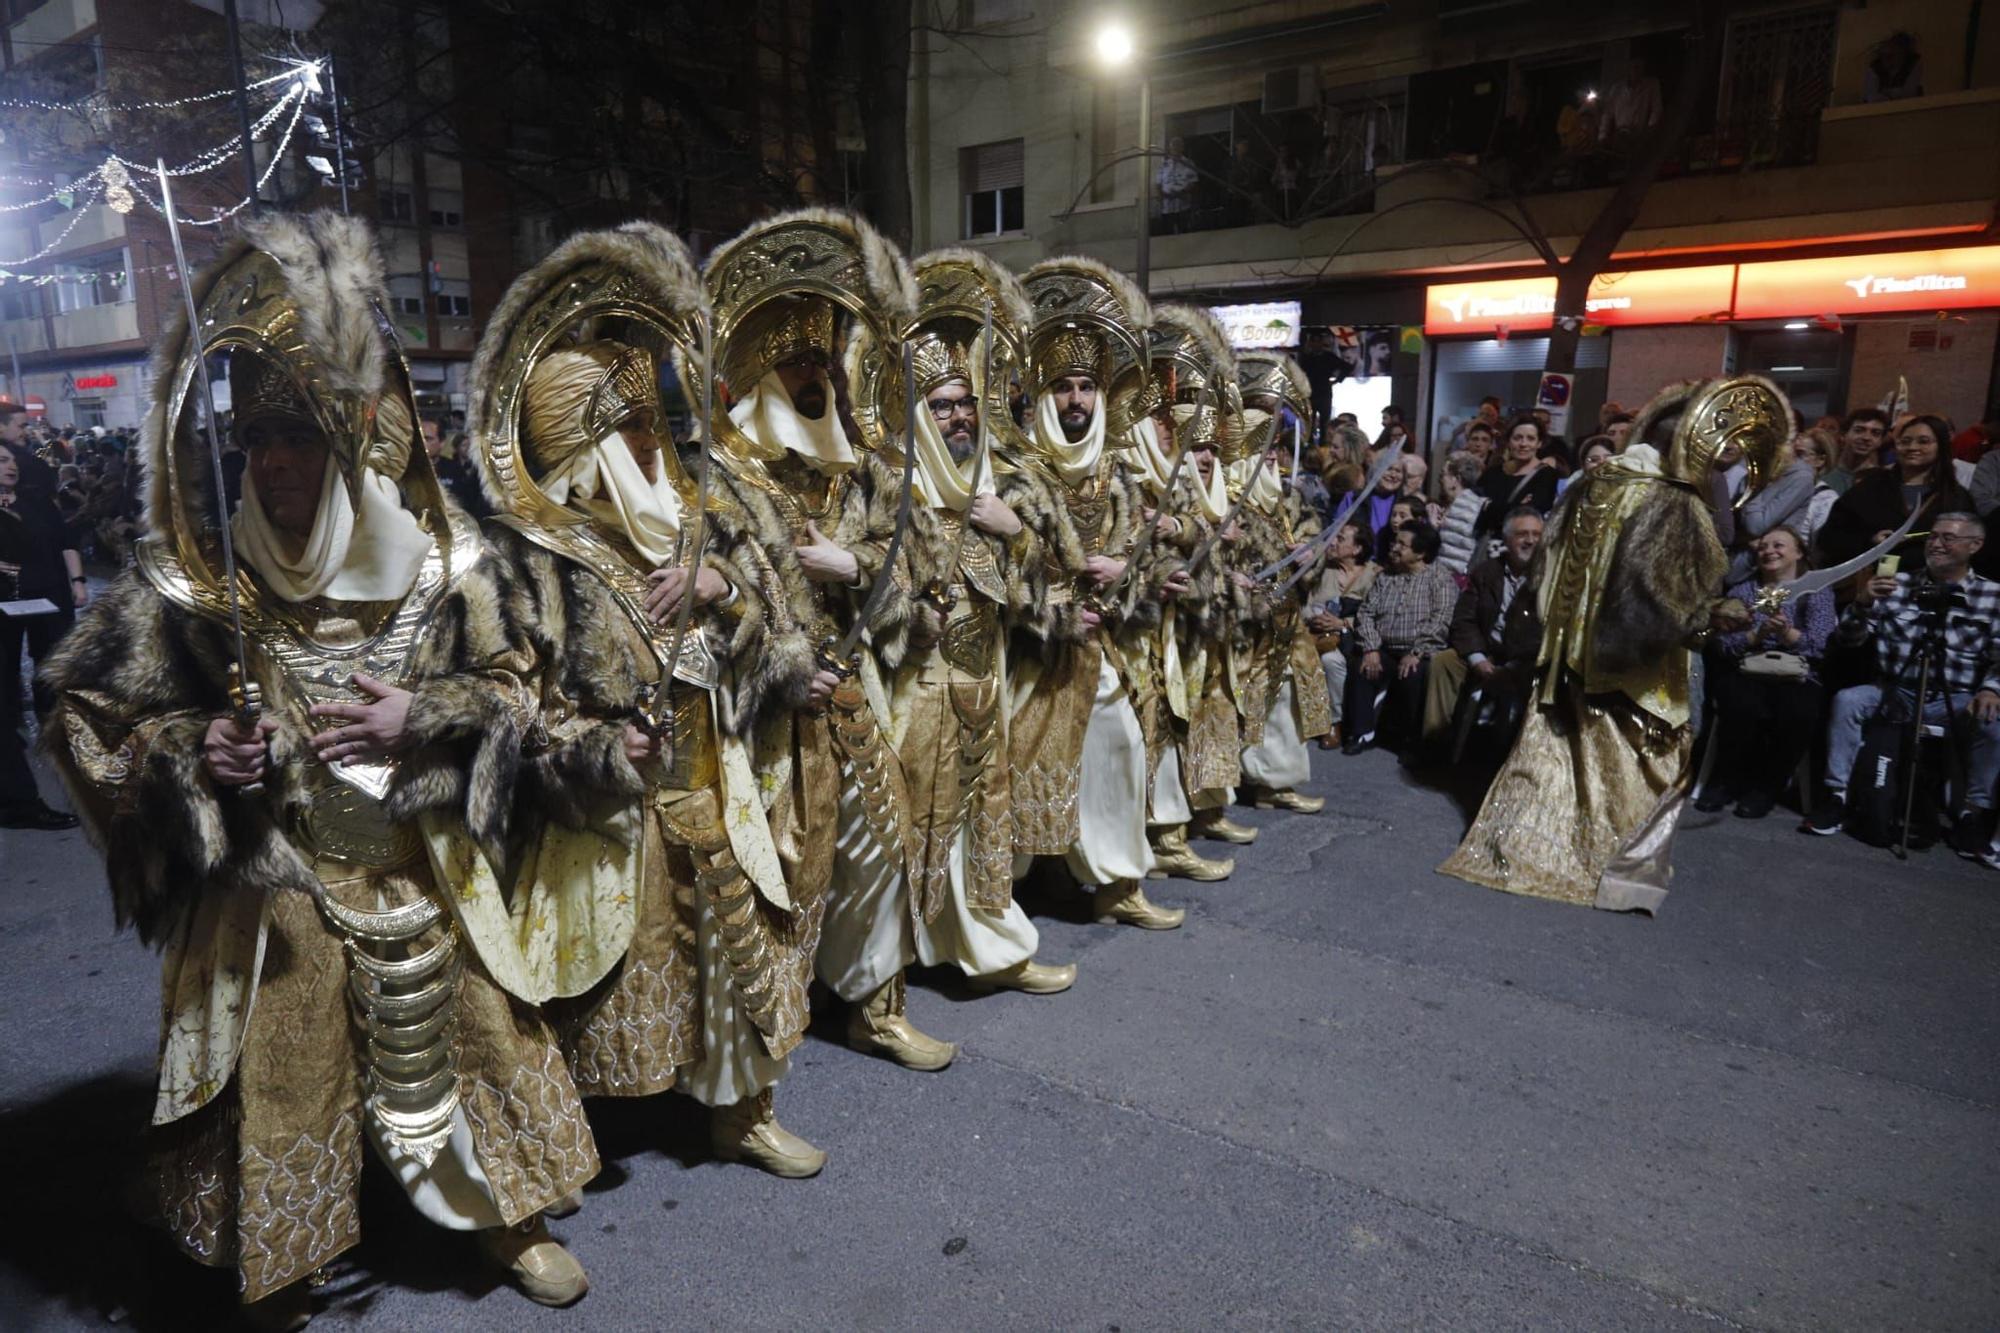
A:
[(1327, 643), (1775, 665)]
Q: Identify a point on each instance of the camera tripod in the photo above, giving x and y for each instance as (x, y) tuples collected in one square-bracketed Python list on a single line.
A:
[(1930, 654)]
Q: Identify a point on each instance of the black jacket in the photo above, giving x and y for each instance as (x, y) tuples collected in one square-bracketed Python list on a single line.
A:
[(1478, 610)]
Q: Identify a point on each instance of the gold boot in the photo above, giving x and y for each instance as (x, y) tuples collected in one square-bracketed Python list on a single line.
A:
[(880, 1025), (1173, 856), (1123, 901), (749, 1132), (285, 1310), (1031, 978), (1217, 824), (545, 1272), (1284, 798)]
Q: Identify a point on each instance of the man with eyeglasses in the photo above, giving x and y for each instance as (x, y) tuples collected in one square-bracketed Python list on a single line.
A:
[(1900, 612)]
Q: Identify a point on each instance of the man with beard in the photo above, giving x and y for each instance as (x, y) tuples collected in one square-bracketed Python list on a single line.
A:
[(291, 840), (1078, 754), (975, 567), (825, 516)]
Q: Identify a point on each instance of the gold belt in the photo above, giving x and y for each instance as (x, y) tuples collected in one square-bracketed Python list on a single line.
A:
[(339, 823), (970, 638)]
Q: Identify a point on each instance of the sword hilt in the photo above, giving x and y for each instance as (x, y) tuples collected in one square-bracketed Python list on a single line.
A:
[(829, 659), (246, 702)]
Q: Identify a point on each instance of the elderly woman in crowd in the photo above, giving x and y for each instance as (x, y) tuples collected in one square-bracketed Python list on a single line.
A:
[(1342, 585), (1765, 682), (1459, 490)]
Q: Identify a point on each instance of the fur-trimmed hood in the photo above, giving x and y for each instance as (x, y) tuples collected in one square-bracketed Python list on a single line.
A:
[(1011, 306)]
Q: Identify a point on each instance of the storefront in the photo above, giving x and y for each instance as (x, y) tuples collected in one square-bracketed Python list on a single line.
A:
[(111, 393), (1834, 333)]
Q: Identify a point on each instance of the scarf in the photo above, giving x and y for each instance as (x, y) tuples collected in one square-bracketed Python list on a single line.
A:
[(372, 555), (1148, 460), (1269, 492), (1074, 461), (607, 483), (942, 481), (766, 416)]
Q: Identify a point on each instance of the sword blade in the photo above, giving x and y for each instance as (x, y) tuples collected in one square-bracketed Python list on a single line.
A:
[(1208, 543), (880, 589), (247, 708), (698, 534), (1326, 535), (1827, 578)]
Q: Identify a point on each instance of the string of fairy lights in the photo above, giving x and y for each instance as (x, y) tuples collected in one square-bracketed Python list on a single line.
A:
[(116, 182)]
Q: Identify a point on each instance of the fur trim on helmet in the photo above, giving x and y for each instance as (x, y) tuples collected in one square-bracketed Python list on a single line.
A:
[(653, 254), (1208, 335), (1137, 310), (1011, 306)]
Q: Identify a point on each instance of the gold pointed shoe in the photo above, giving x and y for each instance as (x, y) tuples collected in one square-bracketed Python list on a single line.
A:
[(569, 1205), (1031, 978), (1173, 856), (749, 1132), (285, 1310), (1286, 799), (546, 1273), (880, 1025), (1218, 825), (1125, 902)]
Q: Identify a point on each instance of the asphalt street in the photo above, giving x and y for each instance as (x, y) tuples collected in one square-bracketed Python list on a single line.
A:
[(1349, 1093)]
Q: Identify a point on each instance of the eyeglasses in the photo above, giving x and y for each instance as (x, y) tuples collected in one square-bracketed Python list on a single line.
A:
[(963, 407), (1954, 538)]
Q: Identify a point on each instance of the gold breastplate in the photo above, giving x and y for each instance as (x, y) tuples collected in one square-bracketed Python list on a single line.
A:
[(1089, 510), (971, 637)]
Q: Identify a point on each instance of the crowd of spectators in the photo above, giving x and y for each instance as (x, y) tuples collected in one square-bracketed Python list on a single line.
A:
[(1428, 632)]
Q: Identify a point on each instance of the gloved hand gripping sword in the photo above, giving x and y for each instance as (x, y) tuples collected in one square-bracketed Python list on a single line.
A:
[(246, 697)]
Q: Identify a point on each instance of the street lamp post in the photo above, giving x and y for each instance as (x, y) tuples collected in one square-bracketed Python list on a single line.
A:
[(1115, 48)]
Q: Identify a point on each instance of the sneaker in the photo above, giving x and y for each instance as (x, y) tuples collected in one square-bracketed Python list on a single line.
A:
[(1972, 833), (1826, 816), (1755, 805)]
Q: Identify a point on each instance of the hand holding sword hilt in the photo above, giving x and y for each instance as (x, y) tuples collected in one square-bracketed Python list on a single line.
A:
[(246, 703), (829, 659)]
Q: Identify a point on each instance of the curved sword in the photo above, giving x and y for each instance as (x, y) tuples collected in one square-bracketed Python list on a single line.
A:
[(1311, 550), (1182, 439), (1771, 599), (1215, 534), (841, 660), (697, 536)]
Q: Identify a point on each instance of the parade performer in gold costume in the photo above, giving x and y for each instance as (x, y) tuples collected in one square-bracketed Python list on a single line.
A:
[(1585, 808), (291, 844), (977, 568), (652, 910)]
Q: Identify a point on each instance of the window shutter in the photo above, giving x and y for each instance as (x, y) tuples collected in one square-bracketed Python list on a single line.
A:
[(994, 166)]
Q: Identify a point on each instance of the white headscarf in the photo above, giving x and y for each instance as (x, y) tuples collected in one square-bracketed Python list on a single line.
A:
[(1269, 492), (942, 482), (1211, 497), (1148, 460), (767, 416), (370, 556), (1074, 461), (607, 483)]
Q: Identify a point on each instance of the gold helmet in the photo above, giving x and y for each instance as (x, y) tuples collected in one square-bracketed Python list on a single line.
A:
[(296, 307), (1192, 366), (574, 349), (1275, 377), (1087, 318), (803, 281), (955, 288), (1692, 423)]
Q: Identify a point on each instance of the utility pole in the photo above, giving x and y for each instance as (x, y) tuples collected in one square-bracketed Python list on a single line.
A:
[(242, 106)]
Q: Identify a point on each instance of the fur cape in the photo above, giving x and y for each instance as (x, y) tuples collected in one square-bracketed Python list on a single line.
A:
[(137, 683)]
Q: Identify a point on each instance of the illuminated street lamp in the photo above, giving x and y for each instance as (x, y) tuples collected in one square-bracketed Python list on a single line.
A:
[(1116, 49)]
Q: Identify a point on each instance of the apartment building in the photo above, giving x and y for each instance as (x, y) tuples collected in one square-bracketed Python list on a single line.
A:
[(1381, 168)]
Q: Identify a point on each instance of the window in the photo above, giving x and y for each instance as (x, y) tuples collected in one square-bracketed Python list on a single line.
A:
[(454, 298), (1777, 76), (93, 280), (407, 305), (87, 412), (447, 208), (398, 206), (18, 301), (990, 177)]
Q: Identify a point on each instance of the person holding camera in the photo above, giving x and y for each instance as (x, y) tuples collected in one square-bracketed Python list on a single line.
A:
[(1950, 606)]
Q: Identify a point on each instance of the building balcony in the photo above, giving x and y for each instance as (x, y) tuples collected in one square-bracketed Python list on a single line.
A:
[(23, 336), (97, 225), (56, 21), (97, 324)]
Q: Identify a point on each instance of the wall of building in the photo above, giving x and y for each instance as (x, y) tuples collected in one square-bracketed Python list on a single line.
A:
[(1952, 381), (1644, 359)]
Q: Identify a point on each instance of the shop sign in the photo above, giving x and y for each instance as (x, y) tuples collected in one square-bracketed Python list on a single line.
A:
[(1870, 284), (96, 381), (1263, 325), (1553, 396), (1652, 296)]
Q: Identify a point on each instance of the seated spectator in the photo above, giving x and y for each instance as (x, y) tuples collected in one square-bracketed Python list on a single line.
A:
[(1496, 633), (1342, 480), (1815, 448), (1406, 509), (1415, 470), (1521, 477), (1862, 435), (1881, 498), (1336, 600), (1891, 613), (1765, 711), (1597, 450), (1376, 510), (1781, 502), (1401, 625), (1462, 503)]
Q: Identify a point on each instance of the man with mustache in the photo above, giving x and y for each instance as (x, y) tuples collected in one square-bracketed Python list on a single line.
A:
[(976, 568)]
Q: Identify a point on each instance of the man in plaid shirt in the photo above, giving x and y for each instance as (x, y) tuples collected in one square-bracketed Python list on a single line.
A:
[(1966, 686), (1399, 628)]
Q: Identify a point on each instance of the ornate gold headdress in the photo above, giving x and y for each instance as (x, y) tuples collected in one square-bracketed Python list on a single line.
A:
[(262, 391), (803, 324), (1699, 419), (1088, 317), (938, 359), (576, 396)]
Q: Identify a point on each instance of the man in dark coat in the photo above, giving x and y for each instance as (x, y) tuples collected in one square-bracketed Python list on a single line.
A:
[(1495, 632)]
